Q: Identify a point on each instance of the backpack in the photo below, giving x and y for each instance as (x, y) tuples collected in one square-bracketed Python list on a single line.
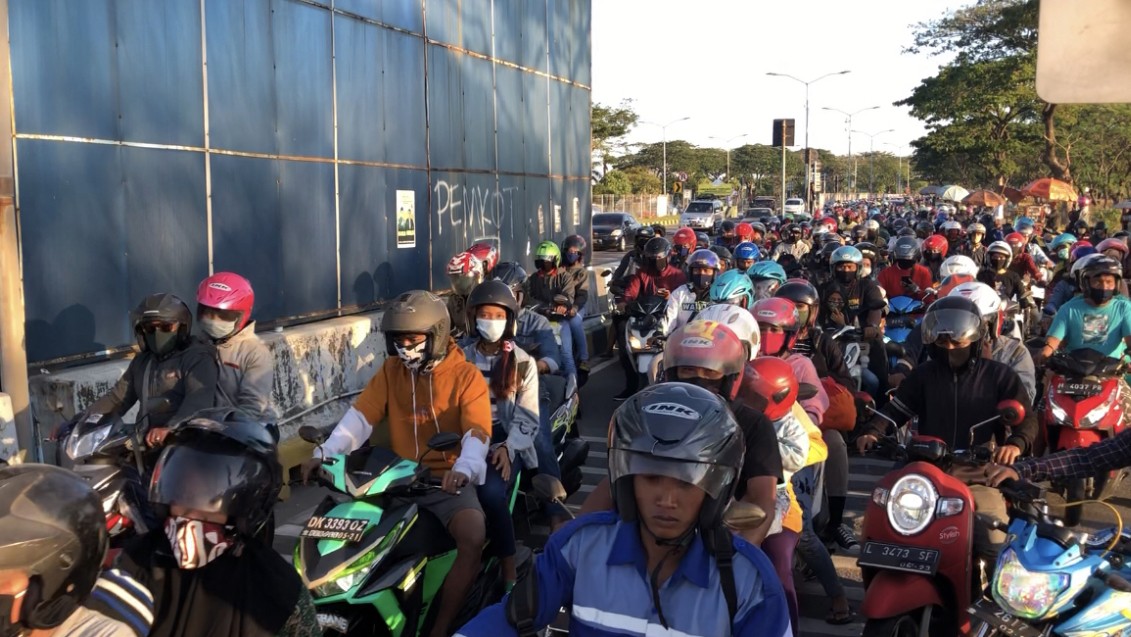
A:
[(841, 415)]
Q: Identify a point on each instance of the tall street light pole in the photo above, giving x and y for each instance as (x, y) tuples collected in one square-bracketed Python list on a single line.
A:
[(808, 164), (899, 174), (848, 130), (726, 147), (664, 128), (872, 156)]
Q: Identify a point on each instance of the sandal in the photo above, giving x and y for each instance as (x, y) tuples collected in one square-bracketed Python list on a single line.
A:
[(840, 618)]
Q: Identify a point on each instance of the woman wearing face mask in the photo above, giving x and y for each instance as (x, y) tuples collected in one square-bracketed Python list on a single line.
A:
[(214, 487), (935, 248), (247, 372), (512, 376)]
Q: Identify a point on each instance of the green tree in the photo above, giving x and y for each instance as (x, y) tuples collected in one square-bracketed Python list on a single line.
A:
[(608, 126), (644, 181), (615, 182)]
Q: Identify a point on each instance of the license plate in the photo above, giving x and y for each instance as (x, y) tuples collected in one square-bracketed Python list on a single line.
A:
[(1002, 621), (337, 623), (899, 558), (1080, 388), (328, 528)]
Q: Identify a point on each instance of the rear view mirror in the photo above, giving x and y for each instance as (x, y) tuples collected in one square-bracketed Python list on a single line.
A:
[(805, 391), (158, 405), (313, 435), (606, 272), (743, 516), (444, 441), (548, 488), (1012, 412)]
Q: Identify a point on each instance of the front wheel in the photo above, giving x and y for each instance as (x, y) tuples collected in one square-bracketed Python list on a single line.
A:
[(901, 626), (620, 245)]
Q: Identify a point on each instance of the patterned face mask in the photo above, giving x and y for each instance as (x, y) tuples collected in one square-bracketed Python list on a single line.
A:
[(196, 543)]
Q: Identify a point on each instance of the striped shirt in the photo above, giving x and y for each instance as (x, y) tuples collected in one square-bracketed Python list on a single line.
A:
[(486, 364), (120, 597), (1081, 462)]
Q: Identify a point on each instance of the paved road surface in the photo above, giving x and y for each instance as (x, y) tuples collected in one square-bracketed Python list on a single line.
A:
[(597, 398)]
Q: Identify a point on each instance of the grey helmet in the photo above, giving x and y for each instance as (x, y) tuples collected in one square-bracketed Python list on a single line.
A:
[(419, 312)]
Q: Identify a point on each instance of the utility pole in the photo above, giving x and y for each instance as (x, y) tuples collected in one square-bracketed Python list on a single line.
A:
[(872, 157), (808, 164), (848, 130), (664, 128)]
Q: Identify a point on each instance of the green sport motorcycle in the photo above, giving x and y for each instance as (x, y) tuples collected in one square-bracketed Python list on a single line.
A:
[(375, 565)]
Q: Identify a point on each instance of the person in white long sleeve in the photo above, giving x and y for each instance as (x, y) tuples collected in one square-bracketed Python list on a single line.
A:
[(688, 299), (428, 387)]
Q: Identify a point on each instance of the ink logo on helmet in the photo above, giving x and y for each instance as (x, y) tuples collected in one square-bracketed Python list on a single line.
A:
[(766, 313), (215, 285), (672, 409), (696, 341)]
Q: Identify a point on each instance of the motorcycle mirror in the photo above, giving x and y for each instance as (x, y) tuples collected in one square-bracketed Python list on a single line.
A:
[(743, 516), (313, 435), (805, 391), (445, 441), (865, 398), (605, 273), (1012, 412), (158, 405), (548, 488)]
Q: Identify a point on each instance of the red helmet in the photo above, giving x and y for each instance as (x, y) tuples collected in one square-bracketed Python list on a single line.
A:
[(781, 313), (936, 243), (744, 231), (953, 281), (770, 386), (1016, 241), (1112, 244), (709, 345), (230, 292), (684, 237), (465, 271), (829, 223), (489, 255)]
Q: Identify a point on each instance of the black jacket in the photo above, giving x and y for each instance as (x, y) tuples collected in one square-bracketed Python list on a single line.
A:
[(186, 378), (949, 403), (828, 359)]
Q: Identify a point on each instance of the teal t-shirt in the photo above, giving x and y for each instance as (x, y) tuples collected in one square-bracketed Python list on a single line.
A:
[(1080, 324)]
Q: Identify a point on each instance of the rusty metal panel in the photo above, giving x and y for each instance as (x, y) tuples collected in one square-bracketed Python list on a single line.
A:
[(532, 55), (509, 102), (304, 95), (477, 113), (535, 116), (402, 99), (403, 14), (464, 23), (559, 115)]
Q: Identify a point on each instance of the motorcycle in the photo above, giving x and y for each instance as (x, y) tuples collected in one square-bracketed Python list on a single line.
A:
[(556, 319), (917, 552), (904, 314), (1050, 580), (1083, 406), (375, 565), (644, 345), (856, 350)]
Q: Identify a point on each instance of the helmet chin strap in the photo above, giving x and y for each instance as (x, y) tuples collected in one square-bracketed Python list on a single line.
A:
[(677, 544)]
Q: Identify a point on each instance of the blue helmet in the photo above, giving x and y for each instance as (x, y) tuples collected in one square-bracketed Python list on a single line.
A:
[(733, 287), (767, 270), (747, 250), (1064, 239)]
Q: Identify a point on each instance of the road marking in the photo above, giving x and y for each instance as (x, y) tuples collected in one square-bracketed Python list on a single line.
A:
[(289, 530), (603, 365)]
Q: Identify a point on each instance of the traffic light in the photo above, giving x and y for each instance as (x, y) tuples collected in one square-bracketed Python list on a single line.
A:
[(783, 129)]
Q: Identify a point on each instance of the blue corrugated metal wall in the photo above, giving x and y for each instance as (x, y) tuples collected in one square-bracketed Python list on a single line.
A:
[(155, 140)]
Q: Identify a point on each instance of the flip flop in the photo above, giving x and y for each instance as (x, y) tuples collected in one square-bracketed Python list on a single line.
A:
[(839, 619)]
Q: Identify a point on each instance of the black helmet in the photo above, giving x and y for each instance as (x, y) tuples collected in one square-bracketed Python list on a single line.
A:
[(571, 243), (514, 275), (726, 258), (643, 235), (52, 528), (678, 430), (220, 461), (801, 292), (727, 226), (1102, 265), (495, 292), (906, 249), (661, 231), (161, 311), (955, 318), (702, 240), (656, 253), (419, 312), (924, 229)]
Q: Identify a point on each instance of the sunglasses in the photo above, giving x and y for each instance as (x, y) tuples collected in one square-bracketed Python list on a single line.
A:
[(158, 326)]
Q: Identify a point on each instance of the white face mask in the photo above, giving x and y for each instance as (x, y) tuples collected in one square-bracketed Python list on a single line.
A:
[(216, 328), (412, 356), (491, 329), (865, 272)]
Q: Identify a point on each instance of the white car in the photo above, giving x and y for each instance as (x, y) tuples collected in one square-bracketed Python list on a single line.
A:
[(794, 206), (702, 215)]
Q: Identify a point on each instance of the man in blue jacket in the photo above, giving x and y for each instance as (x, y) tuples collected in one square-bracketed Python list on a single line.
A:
[(663, 562)]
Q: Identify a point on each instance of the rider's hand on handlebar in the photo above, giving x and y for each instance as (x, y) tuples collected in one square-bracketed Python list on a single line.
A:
[(663, 292), (1006, 454), (543, 367), (308, 468), (453, 481), (156, 436), (866, 442), (996, 474), (561, 309)]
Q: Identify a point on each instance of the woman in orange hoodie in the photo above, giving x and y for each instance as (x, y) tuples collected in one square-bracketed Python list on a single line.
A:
[(426, 388)]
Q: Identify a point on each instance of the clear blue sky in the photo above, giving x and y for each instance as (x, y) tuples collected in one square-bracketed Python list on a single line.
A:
[(714, 70)]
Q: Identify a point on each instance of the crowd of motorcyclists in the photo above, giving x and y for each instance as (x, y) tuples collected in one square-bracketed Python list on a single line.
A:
[(771, 361)]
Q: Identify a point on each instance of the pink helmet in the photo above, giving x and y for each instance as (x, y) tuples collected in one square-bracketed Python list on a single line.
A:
[(230, 292)]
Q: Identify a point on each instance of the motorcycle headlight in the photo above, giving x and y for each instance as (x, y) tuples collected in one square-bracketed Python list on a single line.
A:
[(80, 446), (1023, 593), (1093, 418), (1058, 413), (360, 568), (634, 342), (911, 504)]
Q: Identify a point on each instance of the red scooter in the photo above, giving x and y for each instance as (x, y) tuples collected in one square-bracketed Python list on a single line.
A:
[(1083, 406), (917, 551)]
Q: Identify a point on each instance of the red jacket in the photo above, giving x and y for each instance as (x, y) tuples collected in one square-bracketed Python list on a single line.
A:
[(891, 280), (1024, 264), (645, 284)]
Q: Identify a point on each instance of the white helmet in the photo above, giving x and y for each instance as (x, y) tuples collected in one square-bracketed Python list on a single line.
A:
[(990, 305), (739, 320), (958, 264), (951, 225)]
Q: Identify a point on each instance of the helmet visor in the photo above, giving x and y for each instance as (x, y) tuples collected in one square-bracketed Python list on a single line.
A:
[(958, 326), (711, 478), (463, 283), (209, 480)]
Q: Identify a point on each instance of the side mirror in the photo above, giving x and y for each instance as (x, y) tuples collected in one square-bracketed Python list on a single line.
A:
[(313, 435), (805, 391), (158, 405), (548, 488), (743, 516), (1012, 412), (605, 273), (444, 441)]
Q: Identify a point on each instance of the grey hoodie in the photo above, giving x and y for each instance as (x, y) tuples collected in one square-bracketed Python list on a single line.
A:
[(247, 374)]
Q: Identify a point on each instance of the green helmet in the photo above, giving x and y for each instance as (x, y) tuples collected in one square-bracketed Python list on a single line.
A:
[(548, 251)]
